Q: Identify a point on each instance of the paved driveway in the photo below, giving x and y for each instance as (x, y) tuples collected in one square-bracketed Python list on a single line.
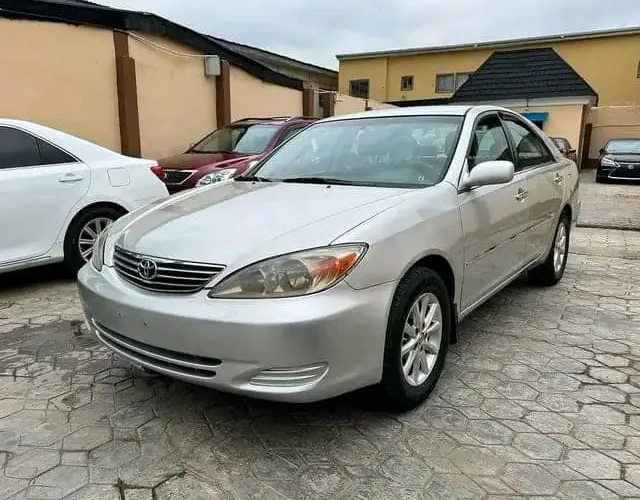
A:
[(609, 205), (540, 399)]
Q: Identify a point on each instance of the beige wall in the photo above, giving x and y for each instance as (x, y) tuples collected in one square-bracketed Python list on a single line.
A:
[(251, 97), (563, 121), (612, 122), (346, 104), (176, 101), (61, 76)]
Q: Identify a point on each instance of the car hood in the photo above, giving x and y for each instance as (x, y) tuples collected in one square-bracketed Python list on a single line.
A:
[(188, 161), (624, 157), (233, 223)]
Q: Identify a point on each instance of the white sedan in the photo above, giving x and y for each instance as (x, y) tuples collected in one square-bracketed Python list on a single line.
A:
[(59, 192)]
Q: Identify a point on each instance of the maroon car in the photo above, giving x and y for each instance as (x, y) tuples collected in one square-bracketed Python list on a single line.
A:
[(228, 151)]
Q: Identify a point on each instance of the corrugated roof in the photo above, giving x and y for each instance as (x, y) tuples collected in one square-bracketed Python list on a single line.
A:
[(523, 74)]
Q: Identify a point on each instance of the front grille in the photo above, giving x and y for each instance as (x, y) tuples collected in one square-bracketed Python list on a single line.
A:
[(163, 275), (156, 357), (627, 171), (176, 176)]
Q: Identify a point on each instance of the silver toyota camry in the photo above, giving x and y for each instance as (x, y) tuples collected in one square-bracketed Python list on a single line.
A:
[(344, 259)]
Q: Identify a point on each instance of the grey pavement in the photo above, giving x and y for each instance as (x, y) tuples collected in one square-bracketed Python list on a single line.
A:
[(540, 400), (614, 206)]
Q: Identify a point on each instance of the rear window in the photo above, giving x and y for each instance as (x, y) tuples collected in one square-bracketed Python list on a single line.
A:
[(623, 146), (247, 139)]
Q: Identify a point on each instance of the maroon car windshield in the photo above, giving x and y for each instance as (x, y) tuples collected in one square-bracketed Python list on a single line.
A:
[(240, 139)]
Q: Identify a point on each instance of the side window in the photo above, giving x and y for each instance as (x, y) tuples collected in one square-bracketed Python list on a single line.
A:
[(18, 149), (489, 142), (51, 155), (530, 150), (289, 134)]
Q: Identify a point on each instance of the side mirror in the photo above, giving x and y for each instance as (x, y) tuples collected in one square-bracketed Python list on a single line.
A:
[(602, 151), (489, 173)]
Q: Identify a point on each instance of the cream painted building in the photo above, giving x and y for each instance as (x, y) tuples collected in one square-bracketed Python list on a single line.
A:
[(135, 82)]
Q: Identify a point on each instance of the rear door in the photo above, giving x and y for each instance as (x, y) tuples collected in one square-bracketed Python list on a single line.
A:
[(39, 186), (494, 218), (536, 165)]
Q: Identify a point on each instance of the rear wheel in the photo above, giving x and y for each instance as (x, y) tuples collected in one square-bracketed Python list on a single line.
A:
[(551, 271), (83, 233), (418, 333)]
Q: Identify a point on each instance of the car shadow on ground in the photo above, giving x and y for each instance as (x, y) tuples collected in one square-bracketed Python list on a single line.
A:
[(34, 276)]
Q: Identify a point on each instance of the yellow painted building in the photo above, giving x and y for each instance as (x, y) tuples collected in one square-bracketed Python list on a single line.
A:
[(607, 60)]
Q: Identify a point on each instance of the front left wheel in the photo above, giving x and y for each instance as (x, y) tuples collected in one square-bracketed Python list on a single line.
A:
[(83, 233), (418, 333)]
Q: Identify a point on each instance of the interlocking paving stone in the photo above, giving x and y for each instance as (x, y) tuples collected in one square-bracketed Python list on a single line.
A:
[(540, 399)]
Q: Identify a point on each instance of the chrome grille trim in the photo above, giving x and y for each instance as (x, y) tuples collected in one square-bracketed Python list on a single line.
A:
[(173, 276), (177, 177)]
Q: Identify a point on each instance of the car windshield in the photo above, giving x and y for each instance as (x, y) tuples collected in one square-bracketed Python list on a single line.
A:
[(623, 146), (241, 139), (409, 151)]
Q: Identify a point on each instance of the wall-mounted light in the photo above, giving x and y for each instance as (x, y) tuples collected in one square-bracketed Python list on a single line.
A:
[(212, 66)]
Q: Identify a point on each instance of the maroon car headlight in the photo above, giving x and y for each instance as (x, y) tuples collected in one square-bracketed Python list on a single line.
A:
[(217, 176)]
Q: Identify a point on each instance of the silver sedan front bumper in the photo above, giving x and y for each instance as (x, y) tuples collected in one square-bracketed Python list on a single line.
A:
[(300, 349)]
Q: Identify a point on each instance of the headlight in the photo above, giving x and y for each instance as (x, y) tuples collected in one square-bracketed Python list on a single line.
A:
[(97, 257), (608, 162), (292, 275), (213, 177)]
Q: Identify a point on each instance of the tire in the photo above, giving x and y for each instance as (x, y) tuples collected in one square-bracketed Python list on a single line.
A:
[(547, 274), (73, 257), (394, 390)]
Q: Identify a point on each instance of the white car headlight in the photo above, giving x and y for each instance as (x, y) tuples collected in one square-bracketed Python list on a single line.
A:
[(97, 257), (291, 275), (608, 162), (213, 177)]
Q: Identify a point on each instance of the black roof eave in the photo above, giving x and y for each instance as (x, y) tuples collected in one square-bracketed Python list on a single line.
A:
[(106, 17)]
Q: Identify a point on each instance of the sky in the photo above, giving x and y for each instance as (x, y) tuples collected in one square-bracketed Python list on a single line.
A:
[(316, 31)]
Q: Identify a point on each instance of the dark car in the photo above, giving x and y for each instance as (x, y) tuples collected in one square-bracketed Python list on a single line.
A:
[(619, 160), (228, 151), (565, 148)]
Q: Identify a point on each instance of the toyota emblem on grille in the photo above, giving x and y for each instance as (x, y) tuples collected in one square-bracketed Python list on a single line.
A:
[(147, 269)]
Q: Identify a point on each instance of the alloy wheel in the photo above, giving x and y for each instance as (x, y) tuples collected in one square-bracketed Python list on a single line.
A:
[(89, 234), (560, 247), (421, 339)]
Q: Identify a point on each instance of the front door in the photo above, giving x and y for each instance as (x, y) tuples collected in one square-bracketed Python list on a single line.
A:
[(39, 186), (494, 218), (536, 164)]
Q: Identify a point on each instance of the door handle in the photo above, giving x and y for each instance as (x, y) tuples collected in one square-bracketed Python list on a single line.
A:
[(558, 179), (521, 194), (70, 178)]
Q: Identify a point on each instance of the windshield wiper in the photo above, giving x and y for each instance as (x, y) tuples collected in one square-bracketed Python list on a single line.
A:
[(251, 178), (316, 180)]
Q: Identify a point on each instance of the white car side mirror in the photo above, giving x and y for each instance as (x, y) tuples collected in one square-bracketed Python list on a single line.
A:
[(488, 173)]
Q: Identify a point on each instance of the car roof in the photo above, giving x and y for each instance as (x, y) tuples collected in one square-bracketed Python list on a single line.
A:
[(83, 149), (440, 110)]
